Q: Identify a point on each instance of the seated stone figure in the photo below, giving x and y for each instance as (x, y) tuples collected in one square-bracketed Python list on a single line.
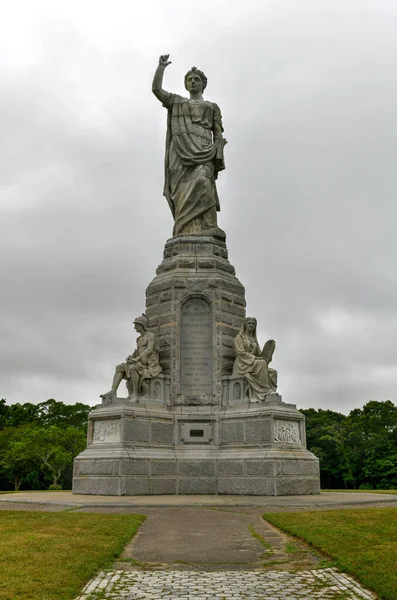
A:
[(253, 363), (140, 366)]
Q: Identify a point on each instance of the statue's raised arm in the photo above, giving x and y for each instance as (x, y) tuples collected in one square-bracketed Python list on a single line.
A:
[(157, 85), (193, 154)]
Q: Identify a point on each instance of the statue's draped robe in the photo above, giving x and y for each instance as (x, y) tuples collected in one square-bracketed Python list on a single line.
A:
[(148, 365), (261, 379), (192, 161)]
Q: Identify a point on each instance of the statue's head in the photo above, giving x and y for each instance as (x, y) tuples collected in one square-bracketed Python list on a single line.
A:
[(141, 322), (193, 78), (249, 324)]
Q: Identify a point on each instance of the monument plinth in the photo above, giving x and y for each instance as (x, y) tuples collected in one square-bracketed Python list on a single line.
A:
[(195, 306), (202, 414)]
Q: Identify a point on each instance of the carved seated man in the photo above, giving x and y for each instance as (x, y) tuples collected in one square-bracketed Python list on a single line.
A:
[(252, 363), (140, 366)]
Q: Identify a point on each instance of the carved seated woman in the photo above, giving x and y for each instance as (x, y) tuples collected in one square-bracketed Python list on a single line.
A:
[(140, 366), (253, 363)]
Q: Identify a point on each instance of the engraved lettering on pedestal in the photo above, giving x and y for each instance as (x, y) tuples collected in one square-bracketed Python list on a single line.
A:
[(106, 432), (286, 432), (196, 348)]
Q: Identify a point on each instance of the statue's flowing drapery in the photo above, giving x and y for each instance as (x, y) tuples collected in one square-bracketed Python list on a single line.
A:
[(250, 363), (192, 162), (148, 353)]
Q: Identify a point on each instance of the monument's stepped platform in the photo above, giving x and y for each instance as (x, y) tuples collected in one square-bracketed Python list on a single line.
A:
[(196, 432), (148, 449)]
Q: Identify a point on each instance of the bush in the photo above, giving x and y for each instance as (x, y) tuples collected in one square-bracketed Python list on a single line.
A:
[(55, 486)]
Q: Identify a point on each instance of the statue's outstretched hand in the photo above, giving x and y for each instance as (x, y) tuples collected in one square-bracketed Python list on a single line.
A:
[(163, 60)]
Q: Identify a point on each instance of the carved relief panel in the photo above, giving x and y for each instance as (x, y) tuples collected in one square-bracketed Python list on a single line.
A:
[(106, 431), (287, 432)]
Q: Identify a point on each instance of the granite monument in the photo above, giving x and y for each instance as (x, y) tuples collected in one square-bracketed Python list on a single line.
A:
[(202, 414)]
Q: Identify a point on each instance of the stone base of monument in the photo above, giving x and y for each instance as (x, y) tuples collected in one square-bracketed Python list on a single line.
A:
[(150, 447), (196, 432)]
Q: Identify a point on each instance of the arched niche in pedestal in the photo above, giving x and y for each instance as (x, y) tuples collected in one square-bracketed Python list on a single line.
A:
[(196, 347)]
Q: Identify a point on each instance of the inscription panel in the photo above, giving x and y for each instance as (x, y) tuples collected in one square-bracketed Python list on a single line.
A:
[(196, 348)]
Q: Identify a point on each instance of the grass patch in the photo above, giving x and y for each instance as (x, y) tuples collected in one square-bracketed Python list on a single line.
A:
[(51, 556), (291, 548), (364, 491), (260, 538), (10, 492), (362, 542), (42, 491)]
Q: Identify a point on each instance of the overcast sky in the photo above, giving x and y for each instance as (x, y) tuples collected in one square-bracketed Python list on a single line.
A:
[(308, 93)]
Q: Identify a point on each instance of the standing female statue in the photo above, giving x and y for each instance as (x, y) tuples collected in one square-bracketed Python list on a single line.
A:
[(253, 363), (193, 154)]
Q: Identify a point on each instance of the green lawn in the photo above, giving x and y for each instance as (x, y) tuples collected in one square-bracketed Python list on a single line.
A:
[(33, 491), (362, 542), (364, 491), (50, 556)]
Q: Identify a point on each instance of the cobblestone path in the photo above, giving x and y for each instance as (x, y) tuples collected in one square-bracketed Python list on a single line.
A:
[(193, 553), (225, 585)]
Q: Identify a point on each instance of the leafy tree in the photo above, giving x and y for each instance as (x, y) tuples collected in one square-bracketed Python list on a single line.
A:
[(18, 463), (325, 438), (39, 441), (51, 413), (3, 412), (373, 431), (55, 447), (45, 414), (17, 414), (355, 450)]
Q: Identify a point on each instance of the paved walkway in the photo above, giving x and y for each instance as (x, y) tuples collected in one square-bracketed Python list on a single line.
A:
[(213, 539), (218, 553), (229, 585), (325, 499), (211, 547)]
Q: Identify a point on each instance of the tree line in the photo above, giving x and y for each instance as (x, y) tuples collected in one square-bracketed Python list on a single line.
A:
[(357, 451), (38, 443)]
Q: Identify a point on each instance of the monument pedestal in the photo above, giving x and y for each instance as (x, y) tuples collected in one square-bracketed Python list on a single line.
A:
[(196, 432), (155, 449)]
